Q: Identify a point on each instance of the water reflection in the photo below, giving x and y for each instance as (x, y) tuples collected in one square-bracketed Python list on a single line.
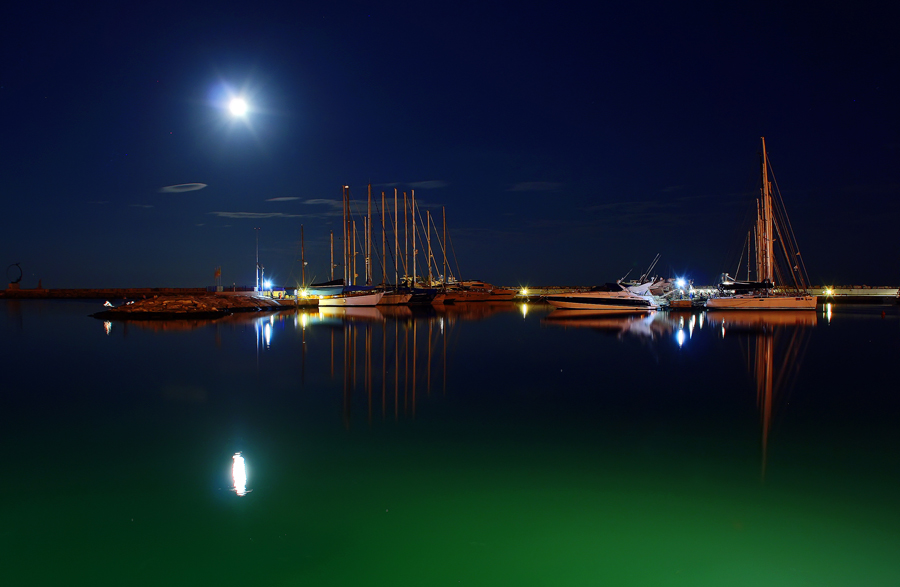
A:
[(649, 326), (776, 344), (385, 358), (239, 474)]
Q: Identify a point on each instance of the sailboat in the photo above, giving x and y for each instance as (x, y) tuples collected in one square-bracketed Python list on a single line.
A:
[(350, 294), (779, 285)]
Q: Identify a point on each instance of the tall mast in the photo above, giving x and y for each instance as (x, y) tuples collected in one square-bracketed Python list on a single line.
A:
[(332, 254), (354, 274), (444, 214), (345, 194), (369, 241), (383, 245), (396, 243), (766, 218), (302, 260), (406, 239), (414, 251), (428, 228)]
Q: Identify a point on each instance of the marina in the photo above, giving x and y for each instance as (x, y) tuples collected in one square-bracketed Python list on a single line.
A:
[(372, 445)]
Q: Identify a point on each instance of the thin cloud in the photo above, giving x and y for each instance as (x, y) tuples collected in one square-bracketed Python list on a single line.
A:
[(181, 187), (323, 202), (427, 185), (535, 186), (255, 215), (285, 199)]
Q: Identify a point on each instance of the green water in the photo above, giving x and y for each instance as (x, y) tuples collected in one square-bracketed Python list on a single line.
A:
[(522, 452)]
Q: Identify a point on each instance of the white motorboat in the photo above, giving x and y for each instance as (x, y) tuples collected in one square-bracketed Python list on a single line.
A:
[(612, 298)]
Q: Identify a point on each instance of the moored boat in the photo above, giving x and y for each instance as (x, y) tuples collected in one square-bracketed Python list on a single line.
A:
[(764, 294), (612, 297), (361, 298)]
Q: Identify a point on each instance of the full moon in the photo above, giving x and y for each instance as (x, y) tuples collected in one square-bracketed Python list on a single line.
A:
[(238, 107)]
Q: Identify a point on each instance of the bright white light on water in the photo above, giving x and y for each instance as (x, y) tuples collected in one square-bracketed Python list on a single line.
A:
[(524, 309), (107, 325), (239, 474), (238, 106), (267, 334), (679, 336)]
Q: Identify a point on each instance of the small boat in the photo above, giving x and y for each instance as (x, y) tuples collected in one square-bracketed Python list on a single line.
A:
[(360, 298), (763, 293), (612, 298)]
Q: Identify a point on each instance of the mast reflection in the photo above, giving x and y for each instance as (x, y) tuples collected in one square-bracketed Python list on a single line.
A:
[(776, 345)]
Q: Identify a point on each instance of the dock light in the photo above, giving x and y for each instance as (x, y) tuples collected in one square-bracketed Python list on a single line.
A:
[(679, 283), (523, 291), (829, 292), (267, 284)]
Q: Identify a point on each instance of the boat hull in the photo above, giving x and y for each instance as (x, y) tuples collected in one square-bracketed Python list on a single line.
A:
[(362, 299), (395, 299), (762, 303), (599, 303)]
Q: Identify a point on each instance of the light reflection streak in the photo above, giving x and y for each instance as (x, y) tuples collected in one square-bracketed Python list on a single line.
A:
[(679, 336), (239, 475), (107, 325), (524, 309)]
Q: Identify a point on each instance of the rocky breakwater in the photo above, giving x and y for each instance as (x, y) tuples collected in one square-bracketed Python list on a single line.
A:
[(189, 306)]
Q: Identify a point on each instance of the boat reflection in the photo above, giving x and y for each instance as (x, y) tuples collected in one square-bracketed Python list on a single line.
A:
[(646, 326), (776, 344)]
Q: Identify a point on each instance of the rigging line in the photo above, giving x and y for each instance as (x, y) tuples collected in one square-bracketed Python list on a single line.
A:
[(455, 260), (437, 236), (804, 276), (389, 245), (741, 258)]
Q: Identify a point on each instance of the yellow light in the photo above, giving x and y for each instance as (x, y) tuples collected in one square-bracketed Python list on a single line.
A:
[(829, 292), (524, 291)]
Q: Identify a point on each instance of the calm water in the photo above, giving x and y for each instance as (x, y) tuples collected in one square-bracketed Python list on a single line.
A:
[(498, 445)]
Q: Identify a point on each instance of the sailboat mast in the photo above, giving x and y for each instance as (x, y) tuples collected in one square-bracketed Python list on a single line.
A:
[(302, 260), (353, 274), (428, 228), (396, 243), (444, 214), (332, 254), (346, 203), (405, 239), (414, 232), (369, 241), (766, 219), (383, 245)]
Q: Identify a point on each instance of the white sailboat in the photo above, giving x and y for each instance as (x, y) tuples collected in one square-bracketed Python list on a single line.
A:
[(778, 286)]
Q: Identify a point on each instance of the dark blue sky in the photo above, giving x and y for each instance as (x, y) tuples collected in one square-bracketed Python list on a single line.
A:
[(568, 145)]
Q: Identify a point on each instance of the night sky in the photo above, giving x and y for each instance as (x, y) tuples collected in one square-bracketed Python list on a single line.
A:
[(568, 145)]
